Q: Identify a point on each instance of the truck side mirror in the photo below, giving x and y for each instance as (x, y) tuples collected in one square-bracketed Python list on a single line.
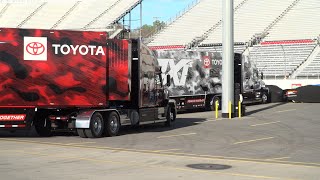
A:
[(168, 80)]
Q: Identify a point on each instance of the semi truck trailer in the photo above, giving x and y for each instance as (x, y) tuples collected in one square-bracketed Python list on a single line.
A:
[(196, 81), (79, 81)]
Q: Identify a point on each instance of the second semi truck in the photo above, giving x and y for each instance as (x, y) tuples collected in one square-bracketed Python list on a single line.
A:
[(196, 77)]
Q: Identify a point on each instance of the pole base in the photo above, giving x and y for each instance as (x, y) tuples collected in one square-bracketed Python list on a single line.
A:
[(226, 115)]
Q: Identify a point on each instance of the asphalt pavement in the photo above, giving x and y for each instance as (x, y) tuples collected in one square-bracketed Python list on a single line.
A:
[(273, 141)]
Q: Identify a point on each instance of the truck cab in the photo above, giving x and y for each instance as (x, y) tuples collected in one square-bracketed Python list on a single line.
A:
[(254, 89)]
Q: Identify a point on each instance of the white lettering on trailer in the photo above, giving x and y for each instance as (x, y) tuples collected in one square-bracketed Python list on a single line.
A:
[(74, 49), (12, 117), (82, 49), (174, 71), (55, 46), (65, 47), (100, 51), (217, 62)]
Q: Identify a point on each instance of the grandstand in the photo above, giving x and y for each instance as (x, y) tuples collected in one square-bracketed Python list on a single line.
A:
[(280, 60), (245, 26), (199, 18), (93, 15), (282, 37), (311, 70), (302, 22)]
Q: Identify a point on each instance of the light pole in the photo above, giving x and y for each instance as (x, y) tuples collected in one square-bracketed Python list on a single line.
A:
[(227, 59)]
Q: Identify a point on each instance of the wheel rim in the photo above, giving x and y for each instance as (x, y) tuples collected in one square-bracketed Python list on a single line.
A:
[(264, 98), (171, 116), (114, 124), (97, 125)]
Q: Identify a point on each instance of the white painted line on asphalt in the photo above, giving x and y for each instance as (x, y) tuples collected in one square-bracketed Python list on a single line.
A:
[(286, 110), (173, 154), (265, 123), (166, 150), (177, 135), (254, 140), (277, 158), (79, 143)]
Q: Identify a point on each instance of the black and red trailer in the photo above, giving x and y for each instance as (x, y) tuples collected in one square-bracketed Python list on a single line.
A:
[(58, 80)]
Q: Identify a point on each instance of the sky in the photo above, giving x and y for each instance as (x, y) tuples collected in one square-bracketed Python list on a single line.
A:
[(161, 10)]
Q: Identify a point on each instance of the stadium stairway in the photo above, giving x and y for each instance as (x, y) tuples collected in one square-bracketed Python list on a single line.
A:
[(4, 8), (197, 41), (32, 14), (307, 62), (269, 27), (65, 15)]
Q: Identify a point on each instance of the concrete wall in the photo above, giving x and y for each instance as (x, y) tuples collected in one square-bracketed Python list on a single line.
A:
[(292, 83)]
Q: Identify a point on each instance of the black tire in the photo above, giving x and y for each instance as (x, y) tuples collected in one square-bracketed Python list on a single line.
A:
[(81, 133), (213, 102), (171, 116), (112, 124), (97, 125), (264, 98), (43, 127)]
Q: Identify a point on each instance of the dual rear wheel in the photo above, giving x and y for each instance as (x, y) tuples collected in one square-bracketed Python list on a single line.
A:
[(100, 126)]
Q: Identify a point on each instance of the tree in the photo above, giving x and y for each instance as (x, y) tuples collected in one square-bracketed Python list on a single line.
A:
[(148, 30)]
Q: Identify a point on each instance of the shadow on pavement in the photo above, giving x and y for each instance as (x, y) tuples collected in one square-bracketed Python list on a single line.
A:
[(157, 127), (264, 108)]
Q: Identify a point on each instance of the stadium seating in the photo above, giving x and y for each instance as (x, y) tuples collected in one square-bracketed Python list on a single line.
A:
[(301, 22), (312, 70), (48, 15), (193, 23), (251, 19), (278, 50), (85, 13), (109, 15), (16, 13), (74, 15), (280, 59), (238, 49)]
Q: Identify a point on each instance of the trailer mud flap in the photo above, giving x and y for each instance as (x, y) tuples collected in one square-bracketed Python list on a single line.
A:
[(16, 117)]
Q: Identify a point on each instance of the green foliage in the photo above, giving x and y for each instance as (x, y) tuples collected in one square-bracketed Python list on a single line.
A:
[(147, 30)]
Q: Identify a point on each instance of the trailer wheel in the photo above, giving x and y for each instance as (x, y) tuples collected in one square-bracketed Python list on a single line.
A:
[(264, 98), (81, 133), (171, 116), (96, 126), (113, 124), (43, 127)]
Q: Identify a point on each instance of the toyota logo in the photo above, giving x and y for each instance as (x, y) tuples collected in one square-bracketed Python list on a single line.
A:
[(35, 48), (206, 62)]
